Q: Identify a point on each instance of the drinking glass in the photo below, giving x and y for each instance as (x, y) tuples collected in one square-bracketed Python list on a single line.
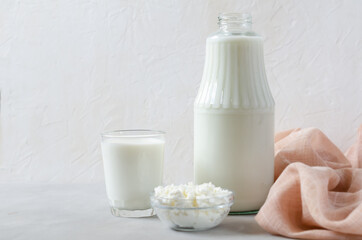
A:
[(133, 167)]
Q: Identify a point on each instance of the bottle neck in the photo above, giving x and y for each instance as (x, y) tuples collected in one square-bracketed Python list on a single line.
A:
[(235, 22)]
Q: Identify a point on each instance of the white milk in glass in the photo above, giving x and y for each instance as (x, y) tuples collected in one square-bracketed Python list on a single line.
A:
[(133, 167), (234, 115)]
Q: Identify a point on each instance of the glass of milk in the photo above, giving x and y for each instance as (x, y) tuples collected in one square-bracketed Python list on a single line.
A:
[(133, 167)]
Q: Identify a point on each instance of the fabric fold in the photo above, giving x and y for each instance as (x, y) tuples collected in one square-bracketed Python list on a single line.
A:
[(318, 190)]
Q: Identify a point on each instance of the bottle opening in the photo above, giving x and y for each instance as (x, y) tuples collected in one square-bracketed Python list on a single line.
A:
[(235, 22)]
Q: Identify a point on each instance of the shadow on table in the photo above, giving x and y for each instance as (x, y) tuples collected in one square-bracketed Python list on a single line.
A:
[(234, 225)]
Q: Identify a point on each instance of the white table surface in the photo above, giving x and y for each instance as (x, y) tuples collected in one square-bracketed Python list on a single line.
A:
[(51, 211)]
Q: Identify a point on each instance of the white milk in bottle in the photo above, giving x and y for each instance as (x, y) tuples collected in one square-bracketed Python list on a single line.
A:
[(234, 115)]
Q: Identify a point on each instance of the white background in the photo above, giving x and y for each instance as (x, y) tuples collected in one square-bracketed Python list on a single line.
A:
[(72, 69)]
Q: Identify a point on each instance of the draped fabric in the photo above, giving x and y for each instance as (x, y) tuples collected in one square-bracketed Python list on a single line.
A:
[(318, 189)]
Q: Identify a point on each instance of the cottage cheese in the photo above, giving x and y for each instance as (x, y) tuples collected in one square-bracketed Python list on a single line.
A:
[(203, 195), (190, 206)]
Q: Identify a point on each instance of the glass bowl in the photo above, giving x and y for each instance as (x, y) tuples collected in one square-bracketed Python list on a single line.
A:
[(192, 214)]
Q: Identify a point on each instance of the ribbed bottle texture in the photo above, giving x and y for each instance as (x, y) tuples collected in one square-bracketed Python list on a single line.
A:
[(234, 75)]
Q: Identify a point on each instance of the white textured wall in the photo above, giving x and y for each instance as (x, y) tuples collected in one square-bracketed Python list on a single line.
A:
[(71, 69)]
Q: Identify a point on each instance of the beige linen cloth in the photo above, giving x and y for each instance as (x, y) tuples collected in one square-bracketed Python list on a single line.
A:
[(318, 190)]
